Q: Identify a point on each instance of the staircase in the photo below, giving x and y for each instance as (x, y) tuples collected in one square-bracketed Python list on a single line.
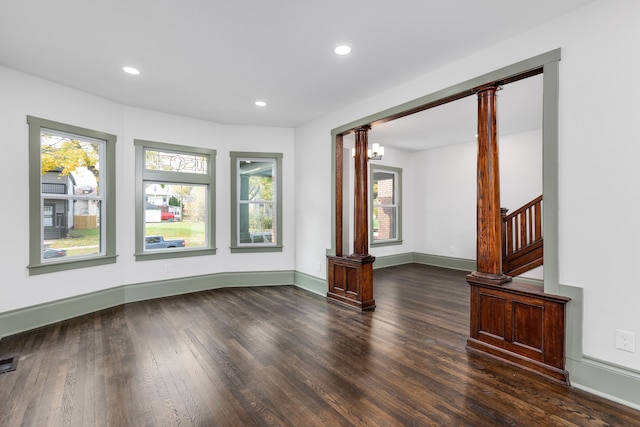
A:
[(522, 248)]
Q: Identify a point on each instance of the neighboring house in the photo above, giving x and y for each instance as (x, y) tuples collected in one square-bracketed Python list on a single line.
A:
[(152, 213), (157, 197), (57, 214), (85, 207), (157, 194), (176, 211), (86, 212)]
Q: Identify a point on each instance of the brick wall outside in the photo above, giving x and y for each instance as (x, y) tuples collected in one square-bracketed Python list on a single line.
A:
[(386, 217)]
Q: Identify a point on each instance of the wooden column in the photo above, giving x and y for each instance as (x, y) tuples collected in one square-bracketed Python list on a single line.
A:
[(489, 220), (514, 322), (360, 203), (350, 279)]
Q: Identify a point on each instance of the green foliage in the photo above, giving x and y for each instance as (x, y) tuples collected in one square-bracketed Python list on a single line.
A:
[(67, 155), (261, 215), (261, 187), (174, 201)]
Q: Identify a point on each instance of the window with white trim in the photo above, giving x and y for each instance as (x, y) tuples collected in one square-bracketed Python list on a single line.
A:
[(175, 194), (72, 197)]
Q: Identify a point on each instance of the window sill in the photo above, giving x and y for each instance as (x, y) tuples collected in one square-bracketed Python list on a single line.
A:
[(254, 249), (180, 253), (55, 267), (386, 243)]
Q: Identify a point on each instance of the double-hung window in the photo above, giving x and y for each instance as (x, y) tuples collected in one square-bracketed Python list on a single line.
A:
[(386, 207), (175, 196), (256, 202), (71, 197)]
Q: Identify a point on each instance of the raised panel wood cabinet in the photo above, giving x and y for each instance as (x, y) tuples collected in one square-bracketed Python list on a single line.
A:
[(520, 324)]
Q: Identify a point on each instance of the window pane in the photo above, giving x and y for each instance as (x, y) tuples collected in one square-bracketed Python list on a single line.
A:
[(70, 172), (384, 223), (175, 162), (69, 162), (384, 188), (67, 234), (48, 216), (256, 180), (256, 214), (175, 216), (385, 192), (256, 223)]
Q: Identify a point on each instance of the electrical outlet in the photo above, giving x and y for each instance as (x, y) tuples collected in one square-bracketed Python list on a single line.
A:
[(625, 341)]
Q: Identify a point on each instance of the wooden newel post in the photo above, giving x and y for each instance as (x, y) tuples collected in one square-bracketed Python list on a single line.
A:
[(503, 237), (489, 219), (350, 279)]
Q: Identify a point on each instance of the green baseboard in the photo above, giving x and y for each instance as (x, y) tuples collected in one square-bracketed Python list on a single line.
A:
[(310, 283), (392, 260), (157, 289), (445, 261), (24, 319), (604, 379), (428, 259)]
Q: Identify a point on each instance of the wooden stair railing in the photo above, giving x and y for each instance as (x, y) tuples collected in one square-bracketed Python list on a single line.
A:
[(522, 248)]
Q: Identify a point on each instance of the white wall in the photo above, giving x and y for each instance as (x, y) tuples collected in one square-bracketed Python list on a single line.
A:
[(25, 95), (22, 96), (313, 198), (598, 149), (444, 181), (445, 198)]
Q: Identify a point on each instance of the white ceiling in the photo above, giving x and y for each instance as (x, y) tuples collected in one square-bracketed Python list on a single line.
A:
[(519, 109), (211, 59)]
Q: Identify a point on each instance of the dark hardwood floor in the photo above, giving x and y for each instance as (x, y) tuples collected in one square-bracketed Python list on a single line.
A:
[(283, 356)]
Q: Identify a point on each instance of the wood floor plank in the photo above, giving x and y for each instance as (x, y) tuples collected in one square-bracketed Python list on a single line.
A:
[(281, 356)]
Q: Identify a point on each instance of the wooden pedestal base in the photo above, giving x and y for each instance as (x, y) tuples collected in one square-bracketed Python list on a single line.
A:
[(351, 281), (520, 324)]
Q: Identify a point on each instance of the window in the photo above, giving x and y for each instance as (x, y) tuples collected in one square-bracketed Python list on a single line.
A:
[(175, 196), (71, 197), (386, 208), (256, 202)]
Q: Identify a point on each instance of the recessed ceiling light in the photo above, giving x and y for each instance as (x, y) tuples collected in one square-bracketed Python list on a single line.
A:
[(131, 70), (261, 103), (342, 50)]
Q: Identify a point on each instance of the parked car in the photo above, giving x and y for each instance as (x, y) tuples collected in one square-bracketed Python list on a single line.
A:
[(167, 216), (53, 253), (158, 242)]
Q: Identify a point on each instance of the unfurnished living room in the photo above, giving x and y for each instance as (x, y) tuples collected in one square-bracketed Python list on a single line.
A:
[(339, 213)]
